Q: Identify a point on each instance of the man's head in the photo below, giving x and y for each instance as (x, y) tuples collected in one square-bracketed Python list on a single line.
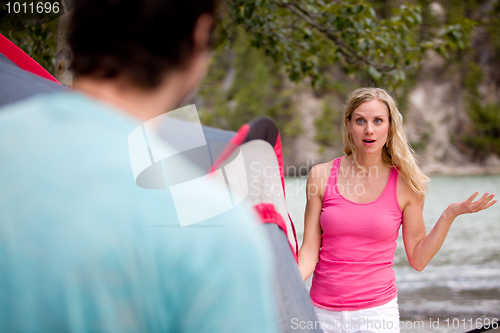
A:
[(139, 41)]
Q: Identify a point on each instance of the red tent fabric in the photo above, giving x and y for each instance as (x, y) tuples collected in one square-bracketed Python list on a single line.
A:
[(20, 58)]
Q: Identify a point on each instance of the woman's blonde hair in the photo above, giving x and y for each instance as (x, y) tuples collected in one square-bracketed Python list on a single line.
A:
[(396, 151)]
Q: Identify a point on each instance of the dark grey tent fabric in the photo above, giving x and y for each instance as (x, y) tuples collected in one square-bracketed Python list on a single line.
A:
[(17, 84), (213, 134), (295, 309)]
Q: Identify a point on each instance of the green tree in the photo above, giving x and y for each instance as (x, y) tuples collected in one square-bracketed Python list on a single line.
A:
[(349, 33), (473, 65), (243, 84), (299, 34), (329, 124), (485, 136)]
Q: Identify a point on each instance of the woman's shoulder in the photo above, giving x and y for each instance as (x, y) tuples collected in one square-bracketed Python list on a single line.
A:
[(322, 170), (405, 194), (318, 178)]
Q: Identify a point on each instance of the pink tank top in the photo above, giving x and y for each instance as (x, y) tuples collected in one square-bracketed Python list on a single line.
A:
[(358, 241)]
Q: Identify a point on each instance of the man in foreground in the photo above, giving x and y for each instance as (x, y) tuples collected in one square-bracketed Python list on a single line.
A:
[(82, 248)]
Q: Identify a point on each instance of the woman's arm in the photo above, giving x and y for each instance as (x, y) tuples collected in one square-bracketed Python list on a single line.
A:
[(420, 247), (309, 251)]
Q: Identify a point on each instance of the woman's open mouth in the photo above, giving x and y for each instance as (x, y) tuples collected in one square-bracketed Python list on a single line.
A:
[(369, 142)]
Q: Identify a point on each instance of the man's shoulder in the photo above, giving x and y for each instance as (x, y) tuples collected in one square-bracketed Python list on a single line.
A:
[(61, 107), (37, 102)]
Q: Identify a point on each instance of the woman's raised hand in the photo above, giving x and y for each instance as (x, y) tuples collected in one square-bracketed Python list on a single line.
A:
[(469, 206)]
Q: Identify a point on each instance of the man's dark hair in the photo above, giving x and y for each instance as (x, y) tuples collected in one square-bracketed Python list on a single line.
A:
[(139, 40)]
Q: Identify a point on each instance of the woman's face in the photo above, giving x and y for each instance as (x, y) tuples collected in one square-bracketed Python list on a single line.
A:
[(369, 126)]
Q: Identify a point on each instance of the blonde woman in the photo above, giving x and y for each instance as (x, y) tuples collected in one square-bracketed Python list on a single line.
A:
[(355, 207)]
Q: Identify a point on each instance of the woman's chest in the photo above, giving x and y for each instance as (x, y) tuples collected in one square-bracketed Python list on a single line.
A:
[(361, 189), (361, 221)]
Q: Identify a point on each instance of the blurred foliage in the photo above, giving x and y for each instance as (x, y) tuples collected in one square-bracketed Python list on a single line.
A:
[(493, 24), (329, 124), (485, 137), (347, 33), (34, 33), (420, 145), (243, 84)]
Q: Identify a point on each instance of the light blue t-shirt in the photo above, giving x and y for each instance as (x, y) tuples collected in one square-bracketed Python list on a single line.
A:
[(84, 249)]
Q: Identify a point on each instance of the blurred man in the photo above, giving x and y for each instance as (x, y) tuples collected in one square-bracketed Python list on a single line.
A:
[(82, 248)]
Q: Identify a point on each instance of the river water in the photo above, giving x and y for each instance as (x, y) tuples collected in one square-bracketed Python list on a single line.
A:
[(460, 288)]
